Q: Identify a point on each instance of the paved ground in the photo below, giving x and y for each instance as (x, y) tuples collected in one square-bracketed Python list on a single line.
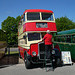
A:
[(19, 69)]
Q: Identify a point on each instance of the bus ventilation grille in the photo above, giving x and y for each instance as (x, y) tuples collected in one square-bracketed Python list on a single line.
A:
[(41, 50)]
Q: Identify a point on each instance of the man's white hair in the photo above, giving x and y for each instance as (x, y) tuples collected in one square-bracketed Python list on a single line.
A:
[(48, 31)]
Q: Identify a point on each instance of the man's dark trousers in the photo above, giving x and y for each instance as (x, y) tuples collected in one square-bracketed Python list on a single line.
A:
[(48, 50)]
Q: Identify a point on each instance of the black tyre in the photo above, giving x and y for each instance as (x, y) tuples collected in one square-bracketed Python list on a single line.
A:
[(27, 62), (58, 62)]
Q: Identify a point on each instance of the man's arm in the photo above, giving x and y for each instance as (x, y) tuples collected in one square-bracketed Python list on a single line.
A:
[(44, 37)]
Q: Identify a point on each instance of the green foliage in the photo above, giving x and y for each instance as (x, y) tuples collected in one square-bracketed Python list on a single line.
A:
[(10, 25), (64, 23), (2, 35)]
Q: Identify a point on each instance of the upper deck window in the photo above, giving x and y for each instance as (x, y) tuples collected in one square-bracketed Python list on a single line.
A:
[(33, 16), (47, 16)]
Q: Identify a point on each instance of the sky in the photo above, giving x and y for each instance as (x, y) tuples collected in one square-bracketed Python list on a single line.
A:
[(15, 8)]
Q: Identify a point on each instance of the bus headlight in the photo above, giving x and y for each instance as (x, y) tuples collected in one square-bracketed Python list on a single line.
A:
[(34, 53)]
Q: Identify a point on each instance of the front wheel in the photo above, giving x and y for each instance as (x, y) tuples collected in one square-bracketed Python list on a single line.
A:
[(27, 62)]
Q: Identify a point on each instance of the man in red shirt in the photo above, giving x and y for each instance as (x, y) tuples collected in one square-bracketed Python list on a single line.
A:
[(48, 44)]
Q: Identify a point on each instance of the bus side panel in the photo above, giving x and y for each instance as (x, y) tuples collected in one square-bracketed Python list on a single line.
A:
[(71, 48), (73, 52), (68, 47), (22, 50)]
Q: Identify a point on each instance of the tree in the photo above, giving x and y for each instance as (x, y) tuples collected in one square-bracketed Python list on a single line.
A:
[(10, 25), (64, 23)]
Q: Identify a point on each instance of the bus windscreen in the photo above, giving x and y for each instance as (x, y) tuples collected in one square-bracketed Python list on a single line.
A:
[(33, 36), (47, 16), (33, 16)]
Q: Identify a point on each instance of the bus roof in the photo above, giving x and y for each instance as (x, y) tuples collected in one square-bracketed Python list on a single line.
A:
[(38, 10), (72, 31)]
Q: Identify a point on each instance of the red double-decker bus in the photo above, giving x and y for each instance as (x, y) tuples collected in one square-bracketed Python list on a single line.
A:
[(32, 27)]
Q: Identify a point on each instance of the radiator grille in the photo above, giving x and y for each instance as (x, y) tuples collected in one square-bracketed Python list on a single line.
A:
[(41, 50)]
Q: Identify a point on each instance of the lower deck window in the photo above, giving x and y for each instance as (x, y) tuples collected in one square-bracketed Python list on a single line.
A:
[(68, 39), (73, 39), (63, 38)]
